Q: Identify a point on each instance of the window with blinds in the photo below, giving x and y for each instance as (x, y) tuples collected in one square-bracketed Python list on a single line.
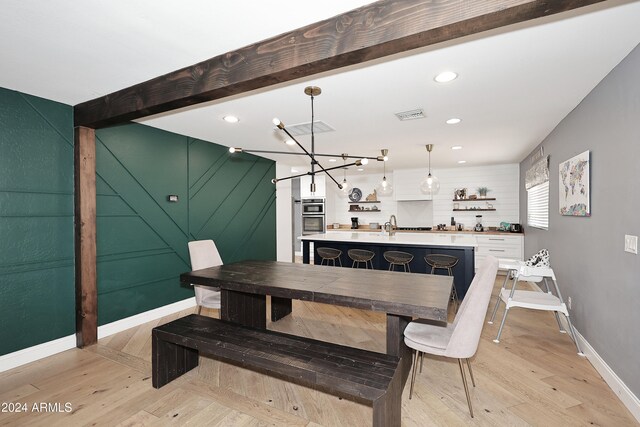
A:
[(538, 206)]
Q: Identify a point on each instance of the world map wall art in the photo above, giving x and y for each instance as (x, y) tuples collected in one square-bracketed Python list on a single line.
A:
[(574, 186)]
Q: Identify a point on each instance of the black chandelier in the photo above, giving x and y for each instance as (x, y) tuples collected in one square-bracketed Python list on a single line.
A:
[(312, 92)]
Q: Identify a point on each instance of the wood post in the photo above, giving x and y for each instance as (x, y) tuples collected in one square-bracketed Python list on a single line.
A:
[(85, 236)]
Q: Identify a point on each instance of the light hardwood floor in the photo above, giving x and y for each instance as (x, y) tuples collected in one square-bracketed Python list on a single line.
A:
[(533, 377)]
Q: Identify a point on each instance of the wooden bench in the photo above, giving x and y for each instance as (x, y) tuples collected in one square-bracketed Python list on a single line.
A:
[(354, 374)]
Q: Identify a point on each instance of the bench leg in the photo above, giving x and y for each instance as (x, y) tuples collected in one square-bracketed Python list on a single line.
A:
[(169, 361), (387, 411), (280, 307), (243, 308)]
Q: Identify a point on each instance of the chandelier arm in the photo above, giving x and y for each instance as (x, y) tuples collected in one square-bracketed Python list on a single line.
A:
[(297, 142), (290, 177), (323, 170)]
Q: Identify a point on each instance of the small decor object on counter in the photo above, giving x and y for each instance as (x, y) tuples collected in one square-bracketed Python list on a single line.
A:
[(336, 225), (355, 194), (373, 197), (482, 191), (374, 225), (460, 226)]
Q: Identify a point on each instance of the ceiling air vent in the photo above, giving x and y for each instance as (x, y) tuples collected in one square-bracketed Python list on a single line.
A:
[(411, 115), (305, 128)]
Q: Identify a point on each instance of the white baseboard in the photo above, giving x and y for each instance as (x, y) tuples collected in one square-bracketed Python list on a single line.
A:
[(614, 382), (147, 316), (37, 352), (40, 351)]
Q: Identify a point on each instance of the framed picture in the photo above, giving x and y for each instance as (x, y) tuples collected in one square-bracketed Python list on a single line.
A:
[(460, 193), (574, 188)]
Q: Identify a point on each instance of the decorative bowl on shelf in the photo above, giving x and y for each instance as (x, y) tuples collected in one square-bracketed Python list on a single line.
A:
[(355, 194)]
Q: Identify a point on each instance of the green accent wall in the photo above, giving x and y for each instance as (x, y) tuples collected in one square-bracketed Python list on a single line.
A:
[(36, 221), (141, 237)]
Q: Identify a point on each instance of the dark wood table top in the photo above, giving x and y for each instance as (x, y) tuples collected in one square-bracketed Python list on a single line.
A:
[(406, 294)]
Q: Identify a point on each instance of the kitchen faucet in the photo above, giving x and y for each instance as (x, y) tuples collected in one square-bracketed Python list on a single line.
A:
[(393, 224)]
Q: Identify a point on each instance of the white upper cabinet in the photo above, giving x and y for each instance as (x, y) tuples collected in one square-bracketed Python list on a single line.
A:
[(305, 187), (406, 184)]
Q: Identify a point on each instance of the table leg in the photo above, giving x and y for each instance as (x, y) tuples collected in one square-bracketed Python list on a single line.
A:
[(243, 308), (395, 343), (280, 307), (305, 252)]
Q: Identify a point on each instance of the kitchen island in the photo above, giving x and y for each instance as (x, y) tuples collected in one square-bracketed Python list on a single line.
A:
[(418, 244)]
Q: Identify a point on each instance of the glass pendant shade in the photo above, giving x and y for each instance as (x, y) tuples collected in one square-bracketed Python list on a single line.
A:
[(345, 186), (384, 188), (430, 185)]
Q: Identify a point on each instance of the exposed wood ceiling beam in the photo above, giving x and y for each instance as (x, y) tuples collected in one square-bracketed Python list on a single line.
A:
[(374, 31)]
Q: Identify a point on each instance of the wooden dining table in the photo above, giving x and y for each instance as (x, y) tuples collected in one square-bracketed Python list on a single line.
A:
[(245, 285)]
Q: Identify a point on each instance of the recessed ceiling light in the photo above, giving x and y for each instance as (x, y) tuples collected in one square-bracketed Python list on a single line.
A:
[(446, 76), (453, 121), (360, 169), (332, 160), (289, 142), (457, 147), (462, 162), (231, 119), (294, 170)]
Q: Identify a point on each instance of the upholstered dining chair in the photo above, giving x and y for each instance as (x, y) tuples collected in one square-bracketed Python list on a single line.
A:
[(459, 339), (204, 254)]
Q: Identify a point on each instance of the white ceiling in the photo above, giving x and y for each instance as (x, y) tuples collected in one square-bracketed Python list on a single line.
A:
[(515, 85)]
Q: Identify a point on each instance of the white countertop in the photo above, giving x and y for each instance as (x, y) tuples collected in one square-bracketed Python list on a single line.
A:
[(397, 239)]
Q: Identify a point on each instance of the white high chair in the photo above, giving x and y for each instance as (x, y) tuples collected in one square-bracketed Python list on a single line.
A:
[(534, 300)]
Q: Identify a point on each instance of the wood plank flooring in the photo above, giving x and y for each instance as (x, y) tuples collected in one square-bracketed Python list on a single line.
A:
[(532, 378)]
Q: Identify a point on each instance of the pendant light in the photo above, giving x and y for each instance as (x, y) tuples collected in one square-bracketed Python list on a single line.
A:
[(430, 184), (384, 188), (345, 184)]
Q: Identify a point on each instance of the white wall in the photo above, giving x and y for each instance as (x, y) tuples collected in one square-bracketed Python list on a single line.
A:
[(502, 180), (338, 203)]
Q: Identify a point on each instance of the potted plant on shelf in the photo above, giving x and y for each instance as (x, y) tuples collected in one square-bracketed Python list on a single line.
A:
[(482, 192)]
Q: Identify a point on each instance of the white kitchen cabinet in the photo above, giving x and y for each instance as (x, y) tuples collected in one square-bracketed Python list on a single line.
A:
[(305, 187), (406, 185), (500, 246)]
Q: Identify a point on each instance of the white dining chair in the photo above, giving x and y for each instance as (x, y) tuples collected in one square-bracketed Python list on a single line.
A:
[(204, 254), (458, 340)]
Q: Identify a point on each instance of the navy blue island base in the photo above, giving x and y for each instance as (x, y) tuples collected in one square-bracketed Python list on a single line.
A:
[(463, 272)]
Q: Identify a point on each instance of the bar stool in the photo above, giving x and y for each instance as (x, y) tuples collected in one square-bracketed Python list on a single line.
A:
[(329, 254), (445, 262), (398, 258), (361, 255)]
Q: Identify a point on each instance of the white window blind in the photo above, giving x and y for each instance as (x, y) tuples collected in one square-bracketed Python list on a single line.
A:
[(538, 206)]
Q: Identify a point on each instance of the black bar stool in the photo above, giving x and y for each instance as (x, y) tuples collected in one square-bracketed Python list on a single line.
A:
[(361, 255), (445, 262), (329, 254), (398, 258)]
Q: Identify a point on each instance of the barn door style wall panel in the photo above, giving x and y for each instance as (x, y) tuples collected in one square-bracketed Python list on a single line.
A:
[(142, 237), (36, 221)]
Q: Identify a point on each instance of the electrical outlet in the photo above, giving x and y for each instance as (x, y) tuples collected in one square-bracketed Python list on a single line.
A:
[(569, 303), (631, 244)]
